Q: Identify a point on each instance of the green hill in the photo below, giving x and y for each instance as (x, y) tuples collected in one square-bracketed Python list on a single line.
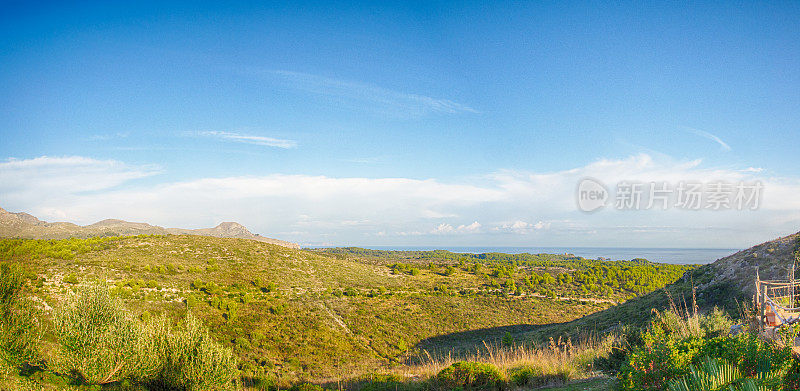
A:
[(329, 314)]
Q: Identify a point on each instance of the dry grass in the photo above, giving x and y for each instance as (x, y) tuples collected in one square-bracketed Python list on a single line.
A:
[(561, 358)]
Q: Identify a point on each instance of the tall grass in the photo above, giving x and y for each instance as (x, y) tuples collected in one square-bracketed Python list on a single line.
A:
[(524, 365)]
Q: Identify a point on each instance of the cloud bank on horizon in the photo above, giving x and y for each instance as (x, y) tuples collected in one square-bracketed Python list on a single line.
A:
[(506, 207)]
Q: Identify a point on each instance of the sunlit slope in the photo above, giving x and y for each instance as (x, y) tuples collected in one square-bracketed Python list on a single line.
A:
[(288, 311)]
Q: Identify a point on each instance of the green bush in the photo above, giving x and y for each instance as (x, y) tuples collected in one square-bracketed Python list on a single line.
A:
[(471, 376), (508, 339), (98, 339), (535, 376), (71, 279), (674, 348), (19, 324), (100, 342), (194, 361), (306, 387), (382, 382)]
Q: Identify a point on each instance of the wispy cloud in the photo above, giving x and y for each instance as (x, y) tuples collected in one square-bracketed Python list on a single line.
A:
[(248, 139), (367, 96), (108, 136), (714, 138)]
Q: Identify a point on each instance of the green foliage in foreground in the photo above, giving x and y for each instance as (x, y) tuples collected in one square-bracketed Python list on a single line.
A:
[(293, 316), (101, 342), (717, 375), (19, 322), (697, 353), (471, 376), (194, 361)]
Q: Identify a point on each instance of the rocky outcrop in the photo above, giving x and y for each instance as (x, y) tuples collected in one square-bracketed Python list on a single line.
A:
[(772, 259)]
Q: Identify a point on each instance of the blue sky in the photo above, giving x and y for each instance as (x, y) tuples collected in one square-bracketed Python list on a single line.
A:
[(362, 123)]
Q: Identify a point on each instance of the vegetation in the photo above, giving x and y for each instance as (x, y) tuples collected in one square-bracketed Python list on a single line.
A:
[(130, 312), (468, 375), (99, 341), (543, 274), (19, 322), (696, 352)]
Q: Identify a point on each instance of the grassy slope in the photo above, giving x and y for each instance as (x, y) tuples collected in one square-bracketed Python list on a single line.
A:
[(315, 316), (304, 325)]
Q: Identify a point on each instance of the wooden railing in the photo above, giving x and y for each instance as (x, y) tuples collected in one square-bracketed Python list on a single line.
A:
[(778, 302)]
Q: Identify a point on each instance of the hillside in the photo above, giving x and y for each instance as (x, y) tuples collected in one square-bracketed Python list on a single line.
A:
[(296, 314), (728, 283), (773, 260), (321, 315), (24, 225)]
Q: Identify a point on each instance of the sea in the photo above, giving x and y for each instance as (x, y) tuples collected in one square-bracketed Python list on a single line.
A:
[(681, 256)]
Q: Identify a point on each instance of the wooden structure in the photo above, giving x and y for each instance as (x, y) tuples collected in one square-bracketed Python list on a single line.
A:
[(777, 301)]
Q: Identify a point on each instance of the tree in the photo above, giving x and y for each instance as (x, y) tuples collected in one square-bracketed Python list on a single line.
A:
[(508, 339)]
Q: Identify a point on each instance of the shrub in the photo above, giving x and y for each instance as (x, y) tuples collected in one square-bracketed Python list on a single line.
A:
[(716, 323), (535, 376), (242, 343), (19, 323), (472, 376), (306, 387), (673, 347), (71, 279), (194, 361), (350, 292), (278, 309), (99, 340), (508, 339), (381, 382)]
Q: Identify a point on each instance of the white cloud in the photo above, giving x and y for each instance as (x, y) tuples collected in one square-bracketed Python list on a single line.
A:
[(521, 227), (40, 184), (350, 210), (366, 96), (444, 229), (703, 133), (254, 140)]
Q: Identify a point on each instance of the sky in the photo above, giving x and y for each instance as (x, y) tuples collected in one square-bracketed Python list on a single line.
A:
[(403, 124)]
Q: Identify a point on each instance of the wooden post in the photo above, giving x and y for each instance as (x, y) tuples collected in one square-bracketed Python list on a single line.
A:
[(760, 301), (764, 308), (791, 281)]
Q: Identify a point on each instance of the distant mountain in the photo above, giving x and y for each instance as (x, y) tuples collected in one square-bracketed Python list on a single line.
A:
[(23, 225)]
